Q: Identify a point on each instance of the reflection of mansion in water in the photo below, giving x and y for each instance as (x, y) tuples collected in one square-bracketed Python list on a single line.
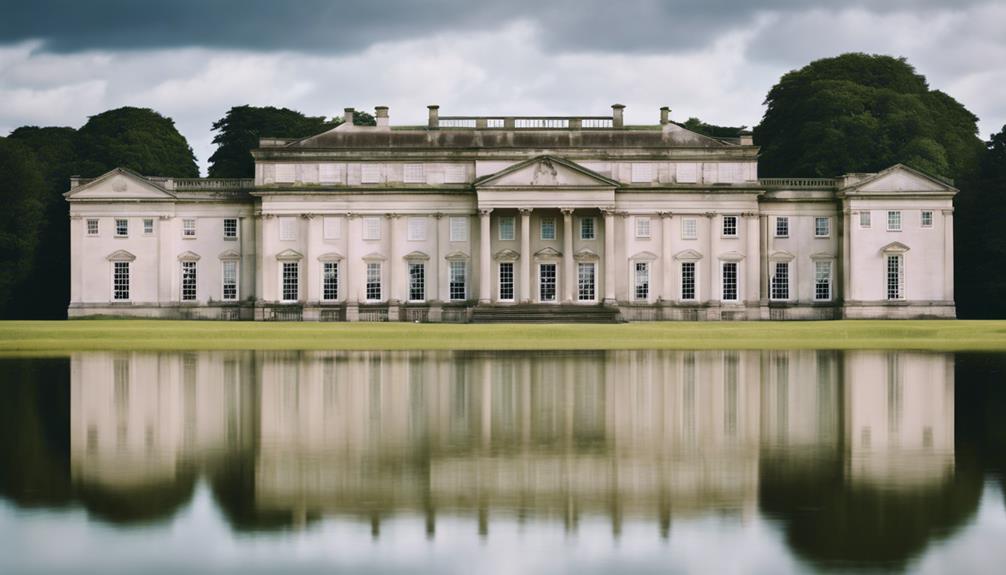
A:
[(622, 433)]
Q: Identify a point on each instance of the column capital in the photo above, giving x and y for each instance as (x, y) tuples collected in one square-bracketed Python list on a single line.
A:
[(566, 211), (308, 216), (437, 215), (268, 216), (608, 211), (665, 215), (710, 215), (392, 216), (352, 215), (166, 218), (525, 211), (76, 217), (484, 212), (752, 215), (947, 211)]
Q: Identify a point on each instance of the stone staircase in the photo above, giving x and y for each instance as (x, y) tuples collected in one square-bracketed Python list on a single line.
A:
[(544, 313)]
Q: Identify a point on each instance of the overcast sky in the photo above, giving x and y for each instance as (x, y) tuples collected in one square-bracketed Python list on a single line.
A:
[(64, 60)]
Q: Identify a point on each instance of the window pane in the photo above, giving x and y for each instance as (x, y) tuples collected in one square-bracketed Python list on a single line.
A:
[(373, 281), (689, 229), (586, 282), (688, 280), (331, 228), (371, 228), (417, 282), (121, 227), (587, 228), (291, 281), (642, 227), (780, 281), (864, 219), (506, 228), (782, 227), (370, 173), (458, 288), (642, 281), (894, 221), (417, 229), (822, 281), (413, 174), (455, 174), (230, 228), (642, 172), (506, 281), (927, 219), (330, 281), (459, 229), (822, 227), (188, 281), (895, 280), (120, 281), (189, 228), (546, 282), (548, 228), (288, 229), (729, 225), (730, 281), (92, 227), (148, 227), (230, 283)]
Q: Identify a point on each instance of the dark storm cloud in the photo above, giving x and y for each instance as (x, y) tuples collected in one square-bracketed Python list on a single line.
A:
[(321, 26)]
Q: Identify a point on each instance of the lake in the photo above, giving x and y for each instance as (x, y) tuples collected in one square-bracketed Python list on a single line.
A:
[(503, 462)]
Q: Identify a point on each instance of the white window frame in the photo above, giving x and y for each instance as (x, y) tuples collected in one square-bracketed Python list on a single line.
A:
[(695, 281), (588, 231), (331, 228), (287, 228), (148, 230), (782, 226), (507, 223), (123, 231), (370, 283), (555, 282), (370, 173), (129, 280), (643, 228), (512, 282), (865, 219), (642, 172), (452, 267), (371, 228), (92, 231), (326, 276), (189, 228), (779, 290), (285, 173), (724, 227), (223, 280), (689, 228), (417, 283), (416, 229), (926, 218), (583, 289), (899, 281), (413, 174), (185, 291), (283, 265), (638, 265), (455, 174), (459, 228), (829, 279), (723, 281), (547, 223), (827, 227), (894, 220), (237, 228)]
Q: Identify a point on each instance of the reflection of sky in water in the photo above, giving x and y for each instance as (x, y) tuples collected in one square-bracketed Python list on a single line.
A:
[(633, 461)]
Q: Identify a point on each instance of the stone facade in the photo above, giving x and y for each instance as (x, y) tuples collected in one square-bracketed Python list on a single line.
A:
[(433, 223)]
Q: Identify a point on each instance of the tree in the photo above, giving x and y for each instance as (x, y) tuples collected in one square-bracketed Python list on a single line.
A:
[(698, 126), (136, 138), (238, 133), (863, 113), (21, 191)]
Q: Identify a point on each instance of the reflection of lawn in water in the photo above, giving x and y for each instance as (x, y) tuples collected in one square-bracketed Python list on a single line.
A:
[(944, 335)]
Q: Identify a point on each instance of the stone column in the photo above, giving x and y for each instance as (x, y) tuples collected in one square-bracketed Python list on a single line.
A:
[(435, 293), (948, 254), (350, 278), (525, 255), (247, 272), (752, 258), (667, 293), (846, 262), (609, 257), (312, 293), (763, 263), (394, 275), (711, 257), (165, 238), (485, 256), (77, 231), (568, 267)]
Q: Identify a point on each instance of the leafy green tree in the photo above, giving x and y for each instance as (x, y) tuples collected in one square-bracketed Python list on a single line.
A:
[(698, 126), (136, 138), (238, 133), (21, 191)]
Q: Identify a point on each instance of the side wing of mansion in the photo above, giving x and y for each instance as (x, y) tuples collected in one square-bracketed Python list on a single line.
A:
[(520, 218)]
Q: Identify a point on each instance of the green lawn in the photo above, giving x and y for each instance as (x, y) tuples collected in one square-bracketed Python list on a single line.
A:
[(39, 337)]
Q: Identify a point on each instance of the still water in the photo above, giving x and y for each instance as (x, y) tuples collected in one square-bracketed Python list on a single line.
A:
[(448, 462)]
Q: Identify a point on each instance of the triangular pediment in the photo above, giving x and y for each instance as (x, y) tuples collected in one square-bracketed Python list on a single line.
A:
[(545, 172), (547, 253), (894, 248), (289, 255), (507, 256), (644, 256), (902, 179), (330, 257), (229, 255), (781, 256), (188, 257), (456, 256), (120, 256), (120, 184), (731, 256), (688, 256), (586, 255), (417, 255)]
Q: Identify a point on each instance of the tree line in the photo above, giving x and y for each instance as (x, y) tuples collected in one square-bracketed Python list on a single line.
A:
[(851, 113)]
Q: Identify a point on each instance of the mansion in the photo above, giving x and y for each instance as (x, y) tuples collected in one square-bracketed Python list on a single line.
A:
[(512, 218)]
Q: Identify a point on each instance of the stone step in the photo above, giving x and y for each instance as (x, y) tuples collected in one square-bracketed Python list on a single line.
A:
[(539, 313)]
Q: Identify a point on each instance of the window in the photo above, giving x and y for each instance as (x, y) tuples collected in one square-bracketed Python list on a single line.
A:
[(927, 218), (288, 229), (230, 280), (417, 281), (454, 174), (120, 281), (330, 173), (286, 173), (506, 281), (329, 281), (548, 228), (730, 226), (822, 227), (121, 228), (780, 281), (546, 282), (370, 173), (92, 226), (587, 231), (586, 281), (371, 228), (641, 291), (642, 173), (782, 227), (689, 229), (148, 227), (506, 228), (729, 281), (688, 280), (188, 281), (688, 173), (822, 281), (230, 228), (417, 229), (894, 221), (864, 219), (458, 281), (373, 281), (642, 227), (330, 228), (895, 277), (459, 229), (188, 228), (413, 174), (291, 281)]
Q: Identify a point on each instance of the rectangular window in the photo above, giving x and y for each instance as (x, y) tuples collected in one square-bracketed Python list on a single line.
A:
[(373, 281), (417, 281), (729, 281), (688, 173), (286, 173), (288, 229), (148, 227), (586, 281), (459, 229), (120, 281), (864, 219), (546, 282), (291, 281), (371, 228), (506, 227), (782, 227), (642, 227), (92, 226), (230, 228), (822, 281), (780, 281), (822, 227), (330, 173), (121, 228), (413, 174), (417, 229), (688, 280), (927, 218), (188, 228), (454, 174), (330, 281), (230, 280), (331, 228), (894, 221), (642, 172), (587, 231), (370, 173), (895, 277), (641, 285), (506, 281), (458, 281), (548, 228), (188, 281), (730, 226), (689, 229)]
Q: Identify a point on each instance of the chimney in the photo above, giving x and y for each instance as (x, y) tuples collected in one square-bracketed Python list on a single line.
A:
[(382, 116), (746, 138), (434, 121), (616, 115), (347, 116), (665, 115)]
